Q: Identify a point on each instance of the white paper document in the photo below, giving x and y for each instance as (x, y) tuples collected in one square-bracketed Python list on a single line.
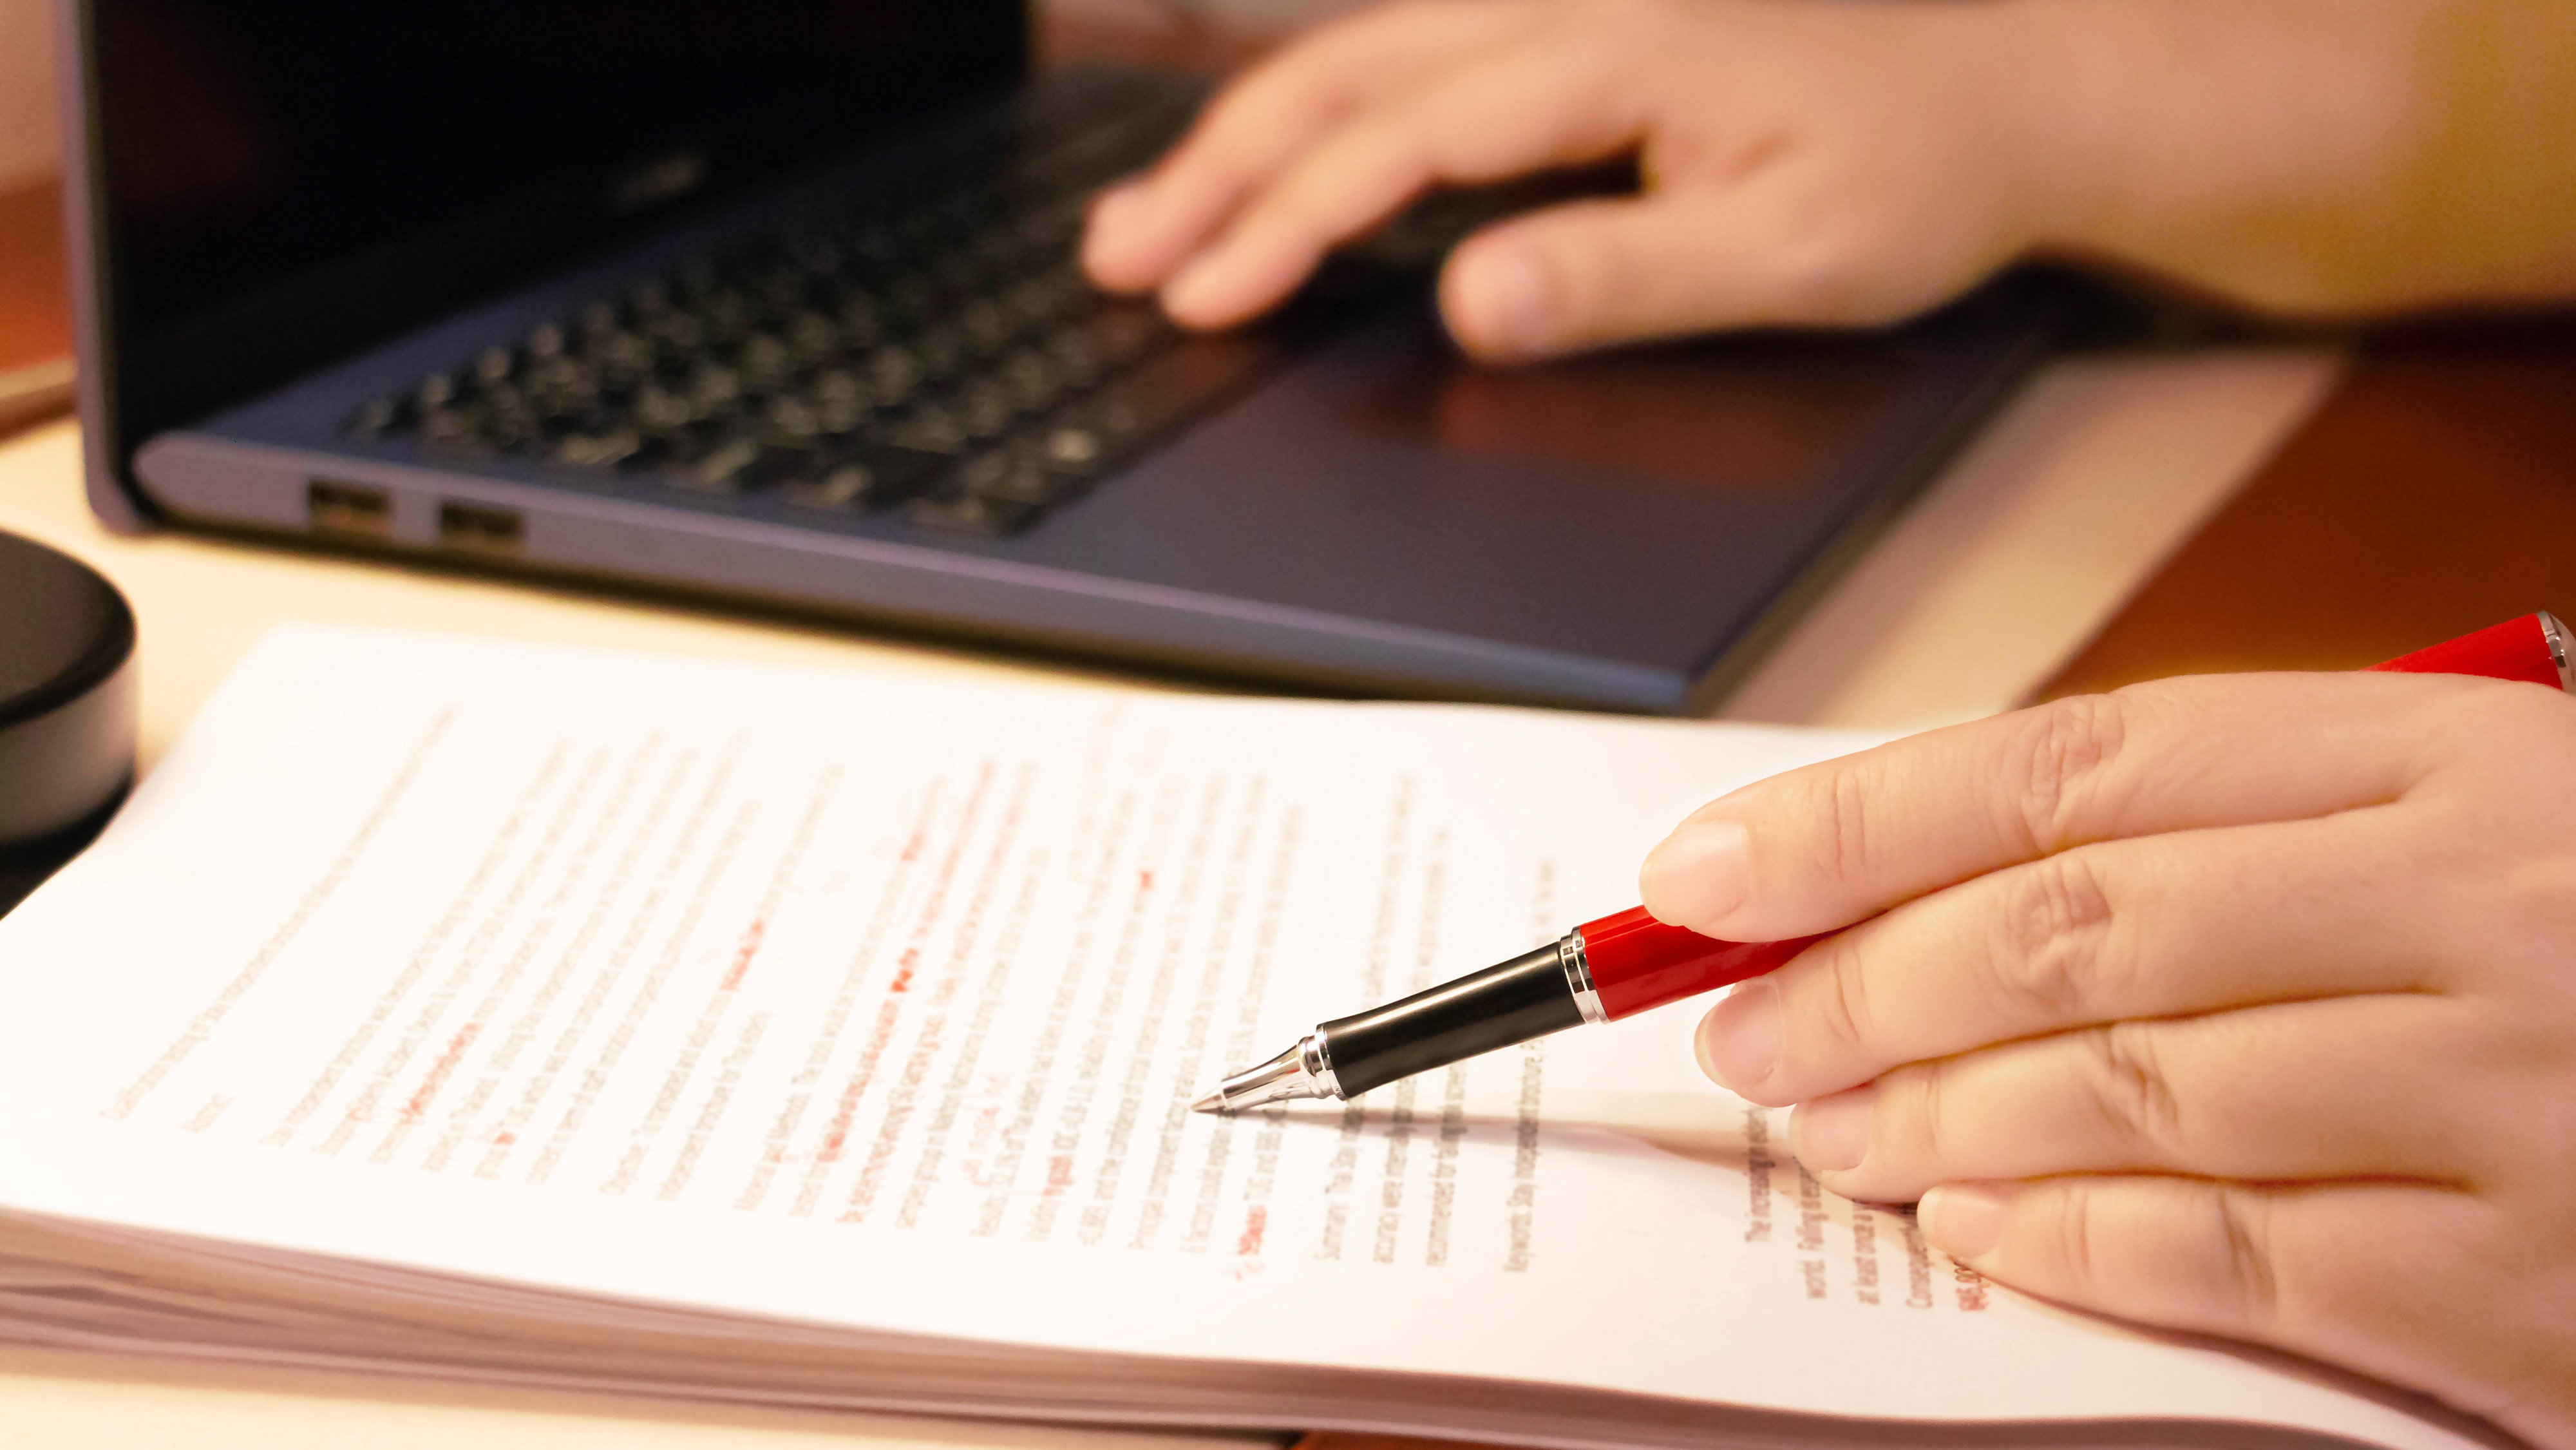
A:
[(490, 1009)]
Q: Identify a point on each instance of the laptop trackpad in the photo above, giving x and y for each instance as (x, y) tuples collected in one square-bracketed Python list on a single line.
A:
[(1644, 505)]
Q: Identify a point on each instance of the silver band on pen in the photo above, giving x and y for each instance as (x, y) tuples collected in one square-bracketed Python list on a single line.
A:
[(2556, 633), (1578, 978)]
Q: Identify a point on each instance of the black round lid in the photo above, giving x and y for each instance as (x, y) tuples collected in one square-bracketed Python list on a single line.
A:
[(67, 714), (63, 630)]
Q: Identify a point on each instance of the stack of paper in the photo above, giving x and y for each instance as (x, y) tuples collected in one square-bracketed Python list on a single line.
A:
[(519, 1014)]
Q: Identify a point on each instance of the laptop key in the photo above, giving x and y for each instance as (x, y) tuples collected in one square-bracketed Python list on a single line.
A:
[(1034, 381), (815, 339), (620, 353), (594, 451), (862, 320), (1123, 331), (434, 392), (984, 408), (656, 409), (864, 478), (931, 428), (791, 422), (766, 363), (376, 415), (841, 486), (725, 465), (559, 383), (727, 315), (1191, 375), (714, 388), (944, 351), (683, 333), (974, 514), (456, 430), (1009, 475), (1075, 448), (987, 326), (1052, 294), (896, 374)]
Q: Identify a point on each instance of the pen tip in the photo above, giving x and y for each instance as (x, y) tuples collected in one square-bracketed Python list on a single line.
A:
[(1213, 1103)]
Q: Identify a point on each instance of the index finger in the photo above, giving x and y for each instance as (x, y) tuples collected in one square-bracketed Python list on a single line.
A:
[(1827, 845), (1262, 122)]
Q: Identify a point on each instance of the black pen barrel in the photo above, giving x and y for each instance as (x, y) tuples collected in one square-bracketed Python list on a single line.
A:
[(1502, 1006)]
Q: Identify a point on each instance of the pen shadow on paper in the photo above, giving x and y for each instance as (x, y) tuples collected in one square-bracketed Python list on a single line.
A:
[(1704, 1128)]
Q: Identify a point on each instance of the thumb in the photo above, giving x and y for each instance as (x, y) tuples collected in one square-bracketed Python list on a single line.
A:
[(1592, 273)]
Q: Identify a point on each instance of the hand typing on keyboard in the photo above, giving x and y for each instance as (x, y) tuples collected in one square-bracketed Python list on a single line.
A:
[(1815, 162)]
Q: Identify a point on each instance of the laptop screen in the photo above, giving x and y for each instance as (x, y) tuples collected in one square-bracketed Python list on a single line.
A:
[(280, 182)]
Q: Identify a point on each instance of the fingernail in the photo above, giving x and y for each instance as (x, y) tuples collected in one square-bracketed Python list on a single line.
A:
[(1502, 300), (1739, 1043), (1832, 1134), (1188, 295), (1965, 1221), (1117, 211), (1700, 873), (1116, 218)]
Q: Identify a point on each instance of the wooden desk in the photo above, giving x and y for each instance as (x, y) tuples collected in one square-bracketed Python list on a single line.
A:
[(35, 306), (2434, 493)]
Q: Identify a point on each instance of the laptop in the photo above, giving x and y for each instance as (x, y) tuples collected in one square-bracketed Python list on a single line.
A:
[(775, 301)]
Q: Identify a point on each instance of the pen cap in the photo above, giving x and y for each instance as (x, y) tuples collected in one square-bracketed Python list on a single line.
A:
[(2532, 649)]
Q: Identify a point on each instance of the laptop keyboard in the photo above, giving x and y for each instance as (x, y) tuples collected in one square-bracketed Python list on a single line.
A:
[(940, 356)]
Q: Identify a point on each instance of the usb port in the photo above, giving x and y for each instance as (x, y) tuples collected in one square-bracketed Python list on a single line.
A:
[(473, 528), (351, 510)]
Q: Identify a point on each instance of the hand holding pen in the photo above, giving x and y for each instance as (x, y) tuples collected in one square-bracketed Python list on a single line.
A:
[(2238, 1005), (1638, 959)]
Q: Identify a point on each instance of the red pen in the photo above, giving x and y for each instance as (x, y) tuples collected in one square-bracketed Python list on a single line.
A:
[(1620, 965)]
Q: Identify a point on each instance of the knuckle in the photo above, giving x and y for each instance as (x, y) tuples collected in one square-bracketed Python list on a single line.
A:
[(1583, 269), (2220, 1272), (1367, 27), (1616, 16), (1838, 1005), (1401, 12), (2243, 1223), (1844, 831), (1922, 1109), (2075, 1241), (1820, 266), (1247, 119), (2067, 753), (2130, 1090), (1348, 183), (2055, 928)]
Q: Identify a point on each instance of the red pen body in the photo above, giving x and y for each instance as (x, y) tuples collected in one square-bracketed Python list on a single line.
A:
[(2532, 649), (1637, 962), (1627, 963)]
